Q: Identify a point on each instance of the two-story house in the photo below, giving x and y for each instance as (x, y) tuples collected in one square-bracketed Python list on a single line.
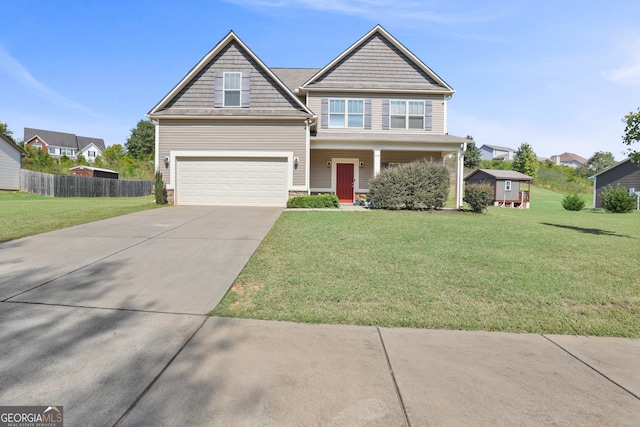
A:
[(236, 132), (58, 144)]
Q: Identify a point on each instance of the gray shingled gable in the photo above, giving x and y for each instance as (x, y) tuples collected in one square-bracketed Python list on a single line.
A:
[(294, 77), (378, 62), (84, 141), (195, 93), (502, 174)]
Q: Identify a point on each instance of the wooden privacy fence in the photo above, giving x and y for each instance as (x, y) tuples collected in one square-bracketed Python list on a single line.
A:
[(77, 186)]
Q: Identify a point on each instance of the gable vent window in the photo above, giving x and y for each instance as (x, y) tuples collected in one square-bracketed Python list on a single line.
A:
[(232, 86)]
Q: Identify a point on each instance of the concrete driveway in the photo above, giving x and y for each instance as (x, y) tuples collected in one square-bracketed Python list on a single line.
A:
[(109, 321), (91, 315)]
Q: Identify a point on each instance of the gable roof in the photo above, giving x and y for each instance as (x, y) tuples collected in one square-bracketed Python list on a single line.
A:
[(92, 169), (570, 157), (497, 147), (13, 144), (385, 55), (62, 139), (628, 159), (294, 77), (502, 174), (231, 37)]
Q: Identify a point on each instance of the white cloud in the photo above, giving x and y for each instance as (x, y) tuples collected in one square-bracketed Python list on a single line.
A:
[(628, 72), (16, 71), (407, 11)]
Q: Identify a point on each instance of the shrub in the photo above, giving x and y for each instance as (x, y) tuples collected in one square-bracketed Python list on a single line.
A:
[(416, 186), (158, 189), (317, 201), (478, 196), (618, 200), (573, 202)]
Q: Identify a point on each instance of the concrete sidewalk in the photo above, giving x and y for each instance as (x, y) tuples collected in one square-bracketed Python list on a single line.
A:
[(109, 321)]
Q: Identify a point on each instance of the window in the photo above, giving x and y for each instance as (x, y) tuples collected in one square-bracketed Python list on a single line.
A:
[(232, 83), (91, 153), (507, 186), (36, 145), (407, 114), (346, 113), (52, 150)]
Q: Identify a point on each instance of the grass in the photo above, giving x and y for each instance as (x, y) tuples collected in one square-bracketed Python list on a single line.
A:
[(24, 214), (542, 270)]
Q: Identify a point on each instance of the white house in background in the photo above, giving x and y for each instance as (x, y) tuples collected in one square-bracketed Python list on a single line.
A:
[(10, 164), (58, 144), (569, 159), (495, 152)]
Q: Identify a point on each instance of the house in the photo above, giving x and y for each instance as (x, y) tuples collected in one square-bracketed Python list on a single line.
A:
[(235, 132), (495, 152), (510, 188), (58, 144), (626, 173), (10, 164), (568, 159), (91, 172)]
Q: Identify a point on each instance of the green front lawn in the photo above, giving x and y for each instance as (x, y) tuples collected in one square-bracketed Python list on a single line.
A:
[(542, 270), (24, 214)]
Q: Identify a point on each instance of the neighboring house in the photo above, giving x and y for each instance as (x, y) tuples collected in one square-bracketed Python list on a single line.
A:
[(10, 164), (510, 188), (626, 173), (58, 144), (91, 172), (569, 159), (495, 152), (236, 132)]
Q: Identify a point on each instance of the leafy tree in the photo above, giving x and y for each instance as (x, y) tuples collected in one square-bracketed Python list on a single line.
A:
[(472, 155), (525, 160), (4, 130), (632, 133), (600, 161), (141, 143), (113, 153)]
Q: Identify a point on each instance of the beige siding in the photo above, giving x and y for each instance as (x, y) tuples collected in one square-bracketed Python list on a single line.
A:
[(321, 174), (437, 103), (409, 156), (204, 135), (9, 166), (265, 94), (377, 63)]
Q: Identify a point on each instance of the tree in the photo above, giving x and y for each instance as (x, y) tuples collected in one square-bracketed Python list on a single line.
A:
[(632, 133), (472, 155), (525, 160), (113, 153), (4, 130), (600, 161), (141, 144)]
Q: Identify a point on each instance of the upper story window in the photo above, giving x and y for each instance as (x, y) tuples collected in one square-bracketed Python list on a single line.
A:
[(92, 153), (406, 114), (346, 113), (232, 86), (36, 145)]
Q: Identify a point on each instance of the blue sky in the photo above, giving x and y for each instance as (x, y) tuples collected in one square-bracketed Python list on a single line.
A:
[(559, 75)]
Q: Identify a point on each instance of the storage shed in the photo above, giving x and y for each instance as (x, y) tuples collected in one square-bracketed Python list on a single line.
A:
[(626, 173), (91, 172), (510, 188)]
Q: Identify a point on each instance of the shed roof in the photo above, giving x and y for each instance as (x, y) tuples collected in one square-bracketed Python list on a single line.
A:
[(92, 168), (497, 147), (502, 174), (14, 145), (628, 159)]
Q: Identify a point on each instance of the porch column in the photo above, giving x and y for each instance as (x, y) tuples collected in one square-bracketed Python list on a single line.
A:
[(459, 178), (376, 161)]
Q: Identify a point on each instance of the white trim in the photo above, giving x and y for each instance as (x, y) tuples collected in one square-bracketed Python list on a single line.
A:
[(224, 90), (156, 154), (307, 172), (321, 190), (345, 114), (366, 145), (407, 115), (174, 156)]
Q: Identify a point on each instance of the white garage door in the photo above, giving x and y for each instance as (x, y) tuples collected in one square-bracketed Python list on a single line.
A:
[(231, 181)]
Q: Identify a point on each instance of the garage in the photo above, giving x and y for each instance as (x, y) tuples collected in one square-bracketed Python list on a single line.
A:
[(232, 181)]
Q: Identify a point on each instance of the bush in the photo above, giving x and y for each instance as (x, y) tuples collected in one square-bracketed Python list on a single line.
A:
[(158, 189), (573, 202), (618, 200), (317, 201), (478, 196), (415, 186)]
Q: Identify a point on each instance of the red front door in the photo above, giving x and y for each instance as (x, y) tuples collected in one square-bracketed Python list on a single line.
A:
[(344, 182)]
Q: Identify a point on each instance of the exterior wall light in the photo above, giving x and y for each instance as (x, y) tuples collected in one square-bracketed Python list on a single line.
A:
[(329, 163), (166, 161), (296, 162), (361, 164)]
